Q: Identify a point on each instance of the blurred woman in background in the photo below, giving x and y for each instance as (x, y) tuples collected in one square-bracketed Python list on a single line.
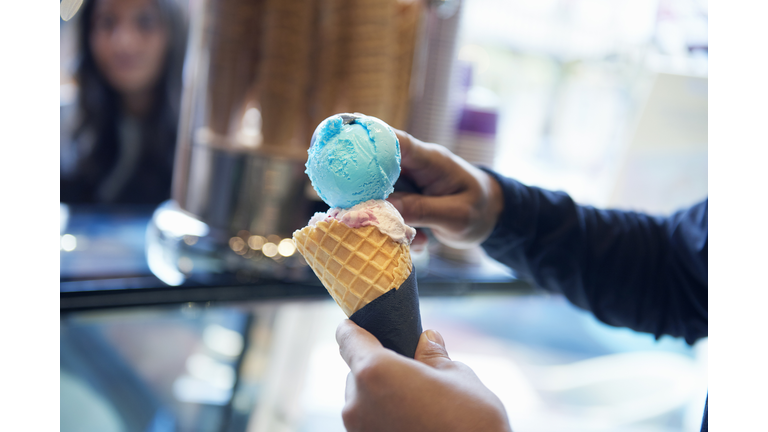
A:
[(118, 139)]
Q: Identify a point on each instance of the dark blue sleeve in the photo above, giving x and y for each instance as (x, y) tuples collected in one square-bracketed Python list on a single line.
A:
[(629, 269)]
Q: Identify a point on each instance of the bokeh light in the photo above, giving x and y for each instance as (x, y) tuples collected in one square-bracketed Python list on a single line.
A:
[(256, 242), (286, 247), (269, 249), (68, 242), (237, 244), (185, 264)]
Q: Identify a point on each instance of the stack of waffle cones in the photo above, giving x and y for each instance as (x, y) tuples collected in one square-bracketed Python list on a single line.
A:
[(408, 19), (356, 265), (326, 60), (231, 27), (370, 56), (300, 61)]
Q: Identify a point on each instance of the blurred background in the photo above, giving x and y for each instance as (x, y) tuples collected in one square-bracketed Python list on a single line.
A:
[(184, 128)]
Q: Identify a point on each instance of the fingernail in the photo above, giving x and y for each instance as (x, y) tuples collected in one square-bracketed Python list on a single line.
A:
[(435, 337)]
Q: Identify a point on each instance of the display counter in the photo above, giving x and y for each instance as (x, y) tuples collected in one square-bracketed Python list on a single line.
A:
[(105, 263), (239, 351)]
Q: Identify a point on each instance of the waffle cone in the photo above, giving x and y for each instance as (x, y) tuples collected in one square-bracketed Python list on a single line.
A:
[(356, 265)]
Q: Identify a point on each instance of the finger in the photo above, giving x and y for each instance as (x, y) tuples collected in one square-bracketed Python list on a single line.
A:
[(446, 212), (431, 350), (414, 153), (351, 390), (356, 345), (406, 144), (429, 163)]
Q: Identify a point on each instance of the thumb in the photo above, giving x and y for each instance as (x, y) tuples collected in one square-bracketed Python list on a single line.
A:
[(431, 350), (356, 345)]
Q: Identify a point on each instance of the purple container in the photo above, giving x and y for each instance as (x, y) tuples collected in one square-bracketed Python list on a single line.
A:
[(478, 121)]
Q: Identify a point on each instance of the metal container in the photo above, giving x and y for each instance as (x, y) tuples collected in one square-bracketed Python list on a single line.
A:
[(233, 191), (259, 75)]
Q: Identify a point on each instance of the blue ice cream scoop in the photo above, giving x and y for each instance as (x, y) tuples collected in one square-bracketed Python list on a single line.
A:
[(353, 158)]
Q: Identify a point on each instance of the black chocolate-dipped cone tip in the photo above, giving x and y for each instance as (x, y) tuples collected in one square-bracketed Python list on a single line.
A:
[(394, 318)]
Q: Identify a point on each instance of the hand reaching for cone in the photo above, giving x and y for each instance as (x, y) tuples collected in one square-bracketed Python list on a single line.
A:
[(459, 202)]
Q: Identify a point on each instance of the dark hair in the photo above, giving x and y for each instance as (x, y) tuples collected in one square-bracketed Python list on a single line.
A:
[(99, 113)]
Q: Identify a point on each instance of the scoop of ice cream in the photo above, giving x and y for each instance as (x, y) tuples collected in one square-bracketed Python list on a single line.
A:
[(353, 162), (378, 213)]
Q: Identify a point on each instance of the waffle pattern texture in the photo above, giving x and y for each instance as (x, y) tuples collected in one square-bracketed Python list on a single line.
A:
[(356, 265)]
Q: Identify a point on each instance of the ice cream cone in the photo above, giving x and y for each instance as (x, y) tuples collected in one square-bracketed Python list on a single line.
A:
[(356, 265)]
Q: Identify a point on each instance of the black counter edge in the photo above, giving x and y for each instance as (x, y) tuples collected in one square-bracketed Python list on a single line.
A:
[(86, 300)]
